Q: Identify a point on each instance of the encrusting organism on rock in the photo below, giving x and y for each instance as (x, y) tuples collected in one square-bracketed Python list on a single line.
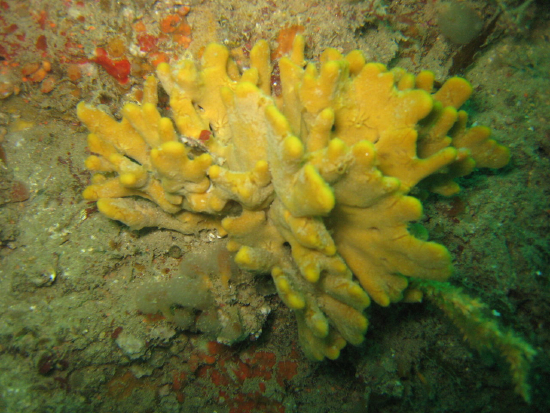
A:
[(311, 185)]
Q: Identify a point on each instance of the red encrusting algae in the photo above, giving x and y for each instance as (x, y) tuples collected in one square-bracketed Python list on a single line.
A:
[(119, 69)]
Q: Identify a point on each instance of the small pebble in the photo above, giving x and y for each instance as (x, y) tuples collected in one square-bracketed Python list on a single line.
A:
[(175, 252)]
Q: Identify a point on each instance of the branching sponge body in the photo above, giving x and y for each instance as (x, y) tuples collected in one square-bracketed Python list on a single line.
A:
[(312, 185)]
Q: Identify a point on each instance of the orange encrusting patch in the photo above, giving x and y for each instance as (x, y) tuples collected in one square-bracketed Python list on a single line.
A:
[(285, 39)]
